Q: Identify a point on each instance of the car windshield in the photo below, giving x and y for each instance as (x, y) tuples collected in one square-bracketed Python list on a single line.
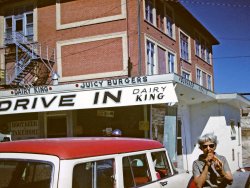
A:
[(23, 173)]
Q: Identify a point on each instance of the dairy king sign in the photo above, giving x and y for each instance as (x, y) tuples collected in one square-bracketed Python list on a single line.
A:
[(126, 96)]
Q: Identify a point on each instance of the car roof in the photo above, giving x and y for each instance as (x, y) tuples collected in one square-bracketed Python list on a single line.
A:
[(71, 148)]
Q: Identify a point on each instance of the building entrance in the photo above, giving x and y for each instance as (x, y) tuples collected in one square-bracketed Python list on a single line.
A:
[(56, 126)]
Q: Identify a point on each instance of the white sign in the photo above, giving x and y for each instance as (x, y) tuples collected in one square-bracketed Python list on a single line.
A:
[(126, 96)]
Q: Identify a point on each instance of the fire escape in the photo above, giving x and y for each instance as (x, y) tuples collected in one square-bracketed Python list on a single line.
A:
[(30, 63)]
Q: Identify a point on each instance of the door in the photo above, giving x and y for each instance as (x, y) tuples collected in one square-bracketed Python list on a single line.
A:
[(18, 23), (56, 126)]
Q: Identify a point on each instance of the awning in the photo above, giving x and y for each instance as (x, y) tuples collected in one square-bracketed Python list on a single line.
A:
[(100, 98)]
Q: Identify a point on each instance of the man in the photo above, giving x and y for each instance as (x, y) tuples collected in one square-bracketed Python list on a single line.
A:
[(211, 169)]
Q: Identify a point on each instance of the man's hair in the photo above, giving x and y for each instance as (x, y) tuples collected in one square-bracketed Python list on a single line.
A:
[(206, 138)]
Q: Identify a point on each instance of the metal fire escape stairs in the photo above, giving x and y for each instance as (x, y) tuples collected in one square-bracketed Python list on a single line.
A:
[(33, 62)]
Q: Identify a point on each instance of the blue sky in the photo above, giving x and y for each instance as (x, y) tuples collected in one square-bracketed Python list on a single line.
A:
[(229, 22)]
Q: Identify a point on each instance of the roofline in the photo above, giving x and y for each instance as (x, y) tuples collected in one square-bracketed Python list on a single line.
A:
[(79, 147), (215, 41)]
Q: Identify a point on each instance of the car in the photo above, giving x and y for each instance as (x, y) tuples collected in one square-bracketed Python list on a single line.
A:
[(103, 162)]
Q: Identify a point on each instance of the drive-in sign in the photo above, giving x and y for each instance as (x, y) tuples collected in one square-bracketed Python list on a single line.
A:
[(126, 96)]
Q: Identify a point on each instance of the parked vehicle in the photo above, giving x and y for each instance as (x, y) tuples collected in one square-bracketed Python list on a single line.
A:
[(88, 163)]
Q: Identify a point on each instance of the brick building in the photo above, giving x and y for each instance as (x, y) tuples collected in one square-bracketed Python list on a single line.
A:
[(112, 49), (82, 40)]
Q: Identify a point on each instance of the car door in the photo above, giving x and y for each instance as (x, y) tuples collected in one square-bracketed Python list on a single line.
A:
[(165, 175)]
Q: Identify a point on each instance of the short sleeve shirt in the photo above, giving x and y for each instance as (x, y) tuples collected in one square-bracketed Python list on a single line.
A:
[(213, 177)]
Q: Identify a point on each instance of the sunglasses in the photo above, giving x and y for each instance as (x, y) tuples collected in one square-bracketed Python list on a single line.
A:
[(210, 145)]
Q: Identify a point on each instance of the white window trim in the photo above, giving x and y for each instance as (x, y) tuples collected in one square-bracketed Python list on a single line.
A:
[(155, 60), (189, 46), (164, 19), (146, 37), (173, 20), (202, 70), (60, 26), (188, 72), (200, 81), (60, 44), (35, 25)]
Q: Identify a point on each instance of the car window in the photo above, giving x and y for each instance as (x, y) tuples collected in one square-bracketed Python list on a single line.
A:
[(161, 164), (25, 174), (94, 174), (136, 170)]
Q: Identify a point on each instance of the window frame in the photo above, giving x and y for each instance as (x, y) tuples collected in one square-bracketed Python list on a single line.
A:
[(199, 76), (185, 73), (25, 24), (185, 52), (155, 59)]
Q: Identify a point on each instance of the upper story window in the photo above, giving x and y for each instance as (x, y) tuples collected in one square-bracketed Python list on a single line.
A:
[(203, 79), (197, 47), (198, 77), (208, 56), (202, 50), (171, 62), (160, 15), (21, 23), (184, 46), (186, 75), (149, 10), (209, 82), (159, 59), (170, 26), (150, 58)]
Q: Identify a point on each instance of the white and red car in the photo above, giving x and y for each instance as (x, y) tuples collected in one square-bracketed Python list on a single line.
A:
[(88, 163)]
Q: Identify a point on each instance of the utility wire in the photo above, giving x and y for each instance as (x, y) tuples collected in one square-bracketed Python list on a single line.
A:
[(234, 5)]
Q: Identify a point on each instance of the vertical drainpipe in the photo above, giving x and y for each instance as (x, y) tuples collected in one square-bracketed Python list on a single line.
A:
[(128, 48), (139, 35)]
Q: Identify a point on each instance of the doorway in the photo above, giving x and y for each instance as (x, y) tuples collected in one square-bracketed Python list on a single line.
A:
[(56, 126)]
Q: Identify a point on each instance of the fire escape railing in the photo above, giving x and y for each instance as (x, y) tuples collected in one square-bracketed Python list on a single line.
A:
[(30, 53)]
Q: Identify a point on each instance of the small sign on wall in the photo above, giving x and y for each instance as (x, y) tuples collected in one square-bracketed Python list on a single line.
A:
[(24, 129), (105, 113)]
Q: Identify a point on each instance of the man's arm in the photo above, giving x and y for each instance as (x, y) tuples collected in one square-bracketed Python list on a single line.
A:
[(200, 179)]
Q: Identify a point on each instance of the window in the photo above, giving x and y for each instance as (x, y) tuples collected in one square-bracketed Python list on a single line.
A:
[(184, 47), (208, 56), (170, 27), (203, 49), (171, 60), (186, 75), (22, 23), (209, 82), (25, 173), (150, 58), (197, 47), (198, 77), (94, 174), (136, 170), (161, 60), (204, 79), (149, 10), (160, 15), (161, 164), (29, 24)]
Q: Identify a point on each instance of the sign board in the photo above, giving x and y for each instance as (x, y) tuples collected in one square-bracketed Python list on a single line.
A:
[(24, 129), (102, 98)]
